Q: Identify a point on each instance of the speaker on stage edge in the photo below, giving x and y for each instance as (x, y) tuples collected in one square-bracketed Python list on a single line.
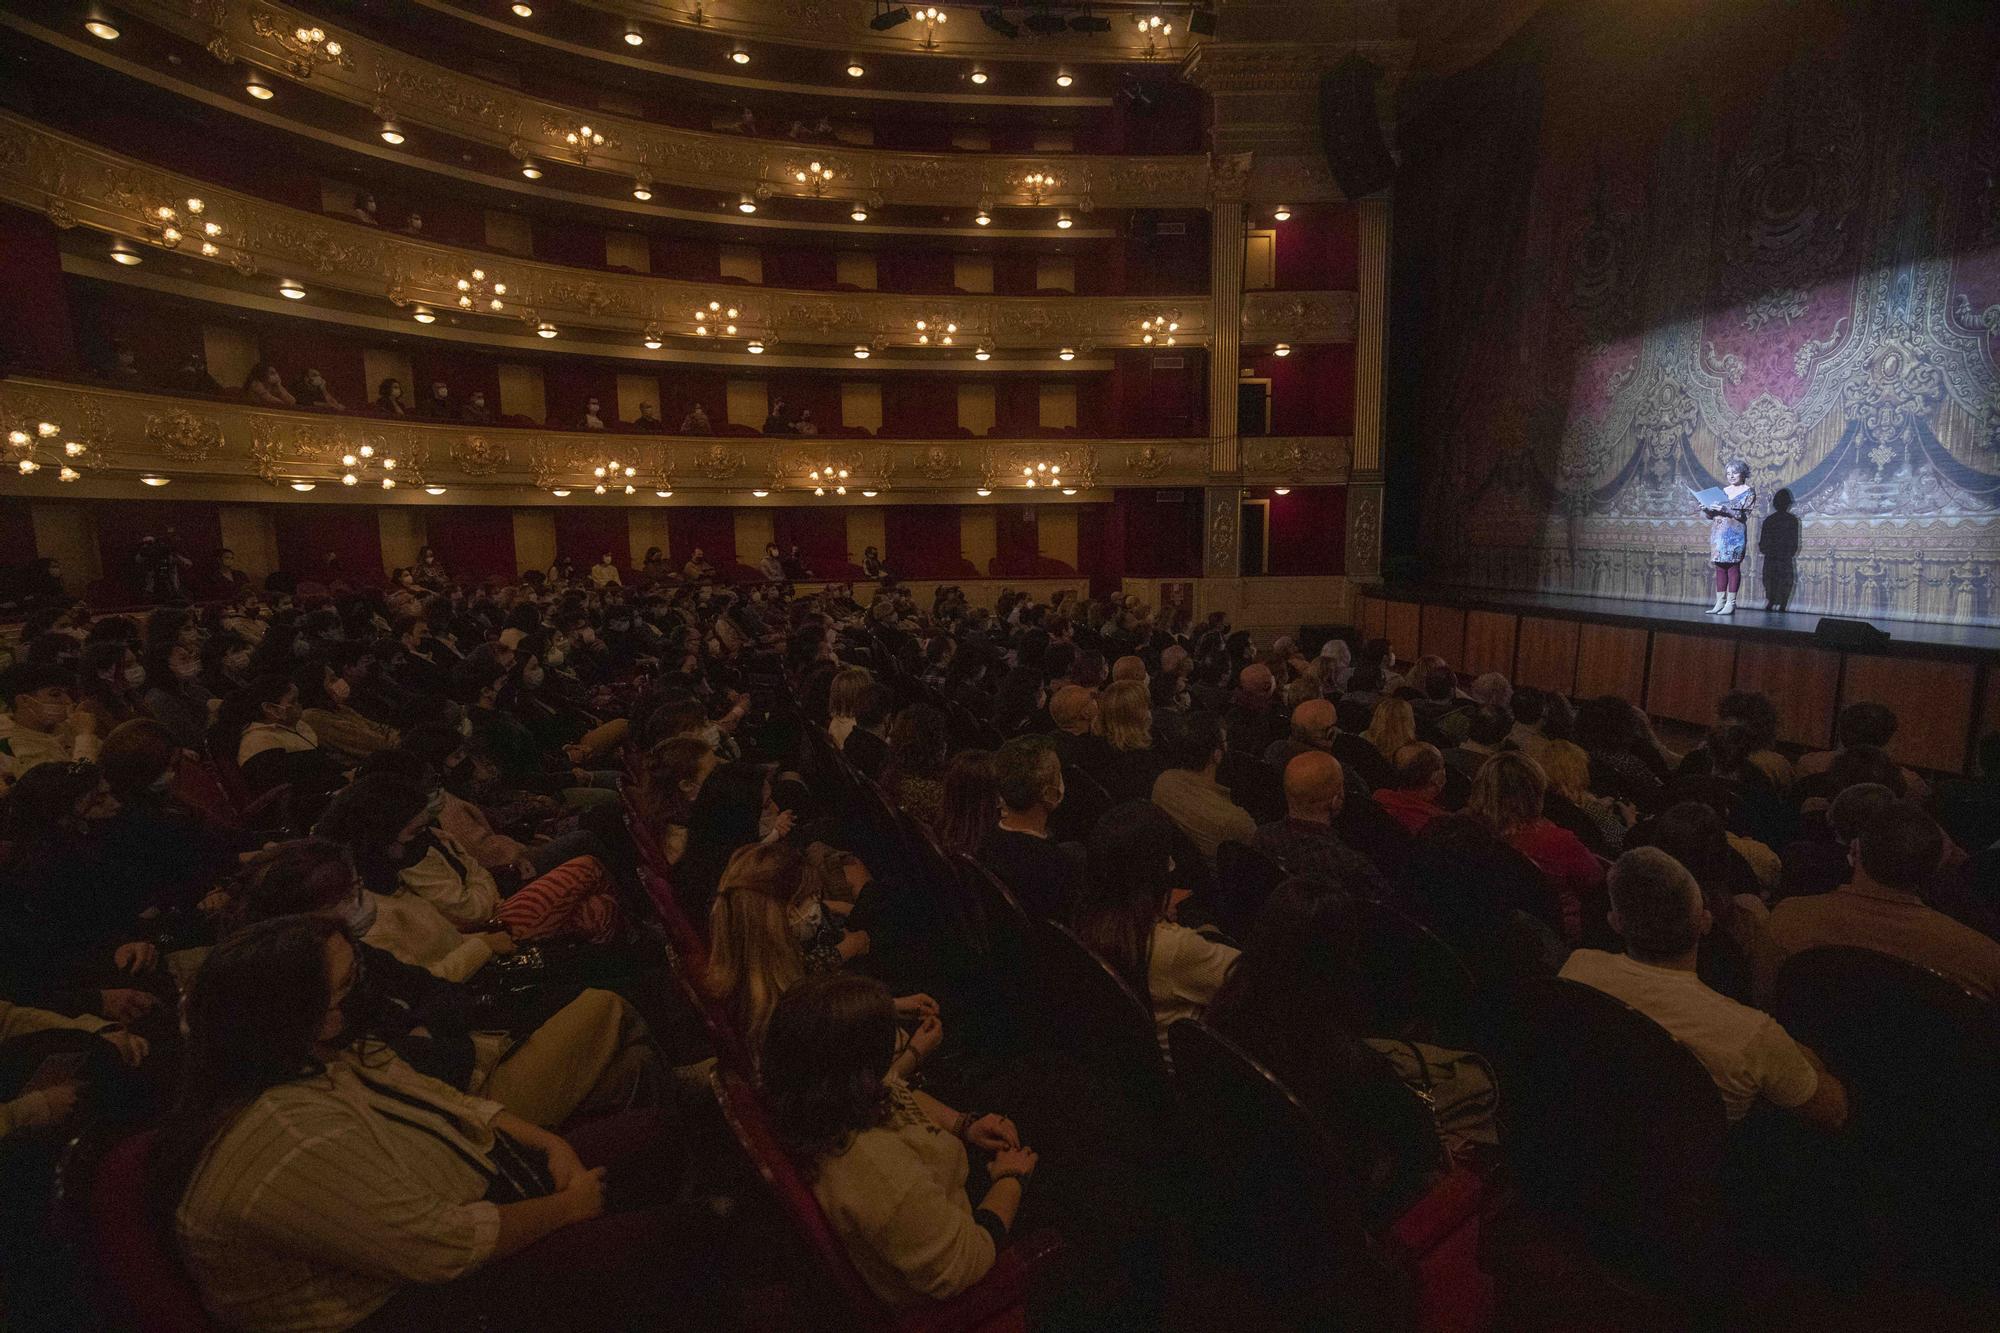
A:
[(1835, 632), (1350, 128)]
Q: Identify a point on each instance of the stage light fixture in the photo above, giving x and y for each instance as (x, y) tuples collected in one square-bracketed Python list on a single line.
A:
[(886, 18), (1064, 222), (756, 347), (982, 353), (861, 352), (983, 218), (1044, 24), (996, 19), (102, 31)]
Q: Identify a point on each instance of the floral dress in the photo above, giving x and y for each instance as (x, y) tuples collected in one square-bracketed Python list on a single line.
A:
[(1728, 531)]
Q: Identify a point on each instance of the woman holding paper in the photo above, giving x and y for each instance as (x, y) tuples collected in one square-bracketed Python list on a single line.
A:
[(1728, 510)]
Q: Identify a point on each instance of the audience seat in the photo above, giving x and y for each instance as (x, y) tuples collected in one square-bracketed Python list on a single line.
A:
[(1280, 1201), (1244, 878), (996, 1304), (1615, 1127), (1084, 802), (1103, 1022), (1418, 986), (136, 1282)]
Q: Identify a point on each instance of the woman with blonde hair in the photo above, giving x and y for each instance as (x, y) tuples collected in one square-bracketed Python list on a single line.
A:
[(1567, 765), (843, 701), (1393, 726), (1125, 720), (1507, 797), (754, 957)]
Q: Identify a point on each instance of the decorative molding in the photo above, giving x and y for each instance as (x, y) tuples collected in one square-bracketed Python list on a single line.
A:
[(1222, 555), (1300, 317), (1314, 459), (481, 112), (132, 432), (77, 183), (1364, 531)]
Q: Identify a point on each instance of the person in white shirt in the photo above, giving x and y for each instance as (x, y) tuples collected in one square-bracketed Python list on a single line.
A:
[(1656, 906), (605, 572)]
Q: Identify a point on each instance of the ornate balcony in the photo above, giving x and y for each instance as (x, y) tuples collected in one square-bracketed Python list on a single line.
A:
[(236, 451), (384, 81)]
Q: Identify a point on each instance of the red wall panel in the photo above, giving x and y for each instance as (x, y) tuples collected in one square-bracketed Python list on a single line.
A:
[(585, 532), (712, 528), (569, 386), (37, 331), (1309, 531), (474, 541), (308, 533), (821, 535), (1318, 248), (922, 541)]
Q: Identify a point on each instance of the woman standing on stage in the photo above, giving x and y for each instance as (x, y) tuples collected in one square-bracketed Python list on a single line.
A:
[(1728, 536)]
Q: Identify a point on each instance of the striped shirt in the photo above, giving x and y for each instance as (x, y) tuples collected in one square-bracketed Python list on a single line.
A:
[(331, 1193)]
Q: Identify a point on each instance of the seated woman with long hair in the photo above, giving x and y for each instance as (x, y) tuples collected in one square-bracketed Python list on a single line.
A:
[(1125, 720), (1392, 726), (544, 1063), (755, 955), (1507, 796), (971, 802), (733, 810), (314, 1181), (888, 1164), (1126, 919), (388, 824), (913, 776), (675, 770), (341, 729)]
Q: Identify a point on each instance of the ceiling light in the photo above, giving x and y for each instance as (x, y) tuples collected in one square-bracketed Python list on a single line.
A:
[(560, 492), (1282, 349), (348, 460), (261, 91), (423, 314), (983, 218), (978, 76), (854, 70), (531, 171), (1064, 79), (1282, 213), (152, 480), (1281, 490), (122, 253), (641, 192), (653, 342), (984, 490), (868, 494), (982, 354), (1069, 490), (349, 479), (388, 483), (756, 348), (633, 37), (860, 352), (433, 490), (524, 11), (858, 213), (1066, 354), (304, 485), (740, 56), (101, 30), (760, 494), (888, 18), (291, 290), (392, 133), (545, 330), (1064, 222), (664, 495), (746, 205)]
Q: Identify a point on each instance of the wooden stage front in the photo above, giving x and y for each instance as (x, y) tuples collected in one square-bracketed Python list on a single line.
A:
[(1942, 680)]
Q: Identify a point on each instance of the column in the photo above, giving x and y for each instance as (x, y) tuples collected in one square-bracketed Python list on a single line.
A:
[(1364, 496), (1225, 276)]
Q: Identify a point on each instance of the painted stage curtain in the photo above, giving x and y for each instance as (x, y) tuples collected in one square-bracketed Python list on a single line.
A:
[(1641, 242)]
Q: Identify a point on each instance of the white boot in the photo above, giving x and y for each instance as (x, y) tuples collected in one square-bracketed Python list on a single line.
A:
[(1728, 604), (1717, 608)]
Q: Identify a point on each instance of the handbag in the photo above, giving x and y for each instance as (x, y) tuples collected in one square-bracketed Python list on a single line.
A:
[(1457, 1087)]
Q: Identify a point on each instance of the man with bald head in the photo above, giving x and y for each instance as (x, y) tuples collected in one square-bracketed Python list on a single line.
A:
[(1413, 794), (1304, 841), (1312, 729), (1129, 668), (1255, 718)]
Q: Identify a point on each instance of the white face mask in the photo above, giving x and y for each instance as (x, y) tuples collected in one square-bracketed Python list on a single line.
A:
[(135, 675), (532, 677)]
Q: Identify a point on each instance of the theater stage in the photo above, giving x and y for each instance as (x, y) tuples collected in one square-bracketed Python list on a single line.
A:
[(1942, 680)]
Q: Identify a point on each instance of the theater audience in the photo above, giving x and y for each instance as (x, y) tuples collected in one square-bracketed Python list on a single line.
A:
[(1304, 841), (1188, 793), (1046, 876), (1412, 795), (1507, 797)]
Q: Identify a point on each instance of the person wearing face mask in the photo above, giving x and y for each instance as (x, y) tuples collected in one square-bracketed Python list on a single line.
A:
[(182, 851), (113, 683), (342, 730), (312, 390), (605, 572), (389, 399), (417, 665), (174, 692), (593, 416), (276, 746), (42, 725), (226, 663)]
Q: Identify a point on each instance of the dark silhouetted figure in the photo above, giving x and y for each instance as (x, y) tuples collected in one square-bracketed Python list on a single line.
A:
[(1778, 543)]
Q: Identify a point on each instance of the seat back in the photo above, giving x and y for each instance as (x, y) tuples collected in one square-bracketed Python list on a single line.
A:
[(1617, 1124), (1099, 1018), (1918, 1054), (1417, 985), (1084, 803), (1244, 878), (138, 1283), (687, 962)]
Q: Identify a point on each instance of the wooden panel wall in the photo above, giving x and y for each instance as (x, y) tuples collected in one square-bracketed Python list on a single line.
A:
[(1444, 633), (1374, 618), (1489, 642), (1933, 703), (1690, 673), (1546, 655), (1802, 683), (1402, 631), (1611, 659)]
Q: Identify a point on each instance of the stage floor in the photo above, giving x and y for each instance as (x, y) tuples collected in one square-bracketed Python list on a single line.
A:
[(1943, 640)]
